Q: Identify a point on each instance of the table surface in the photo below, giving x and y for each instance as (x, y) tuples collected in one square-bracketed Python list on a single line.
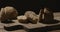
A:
[(30, 26)]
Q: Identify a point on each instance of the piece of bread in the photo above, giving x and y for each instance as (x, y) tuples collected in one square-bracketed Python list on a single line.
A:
[(8, 13), (32, 17), (22, 19)]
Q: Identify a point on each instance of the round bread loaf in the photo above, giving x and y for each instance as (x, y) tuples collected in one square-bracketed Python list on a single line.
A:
[(32, 17), (8, 13)]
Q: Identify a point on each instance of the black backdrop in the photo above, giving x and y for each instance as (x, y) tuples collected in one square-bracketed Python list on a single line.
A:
[(35, 5)]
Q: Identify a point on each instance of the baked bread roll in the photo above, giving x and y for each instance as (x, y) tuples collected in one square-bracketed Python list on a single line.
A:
[(8, 13), (32, 17), (22, 19)]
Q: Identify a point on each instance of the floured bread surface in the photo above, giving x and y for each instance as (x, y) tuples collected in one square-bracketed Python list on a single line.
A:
[(30, 13), (8, 13), (31, 16), (22, 19)]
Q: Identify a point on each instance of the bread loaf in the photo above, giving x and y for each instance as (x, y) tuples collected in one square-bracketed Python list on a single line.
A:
[(8, 13), (32, 17)]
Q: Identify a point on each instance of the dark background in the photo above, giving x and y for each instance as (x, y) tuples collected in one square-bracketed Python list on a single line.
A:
[(35, 5)]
